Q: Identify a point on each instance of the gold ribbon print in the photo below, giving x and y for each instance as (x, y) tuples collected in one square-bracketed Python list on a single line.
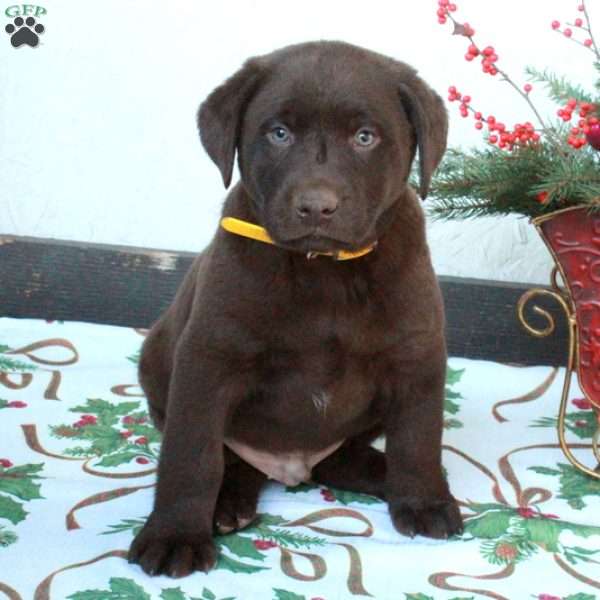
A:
[(354, 580), (7, 378)]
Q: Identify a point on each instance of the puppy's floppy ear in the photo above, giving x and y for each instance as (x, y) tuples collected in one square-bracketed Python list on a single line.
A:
[(220, 116), (428, 116)]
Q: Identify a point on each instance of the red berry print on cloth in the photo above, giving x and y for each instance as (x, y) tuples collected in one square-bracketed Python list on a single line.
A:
[(111, 433), (264, 544)]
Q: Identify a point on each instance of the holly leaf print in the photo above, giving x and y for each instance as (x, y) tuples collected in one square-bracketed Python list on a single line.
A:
[(119, 458), (453, 376), (120, 589), (581, 423), (449, 405), (18, 481), (235, 566), (7, 537), (547, 531), (240, 546), (489, 524), (346, 497), (420, 596), (206, 595), (343, 496), (268, 519), (574, 485), (172, 594), (107, 412), (544, 470), (301, 488), (285, 595), (115, 433), (11, 510)]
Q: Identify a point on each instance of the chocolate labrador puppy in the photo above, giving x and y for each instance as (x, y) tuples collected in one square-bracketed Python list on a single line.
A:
[(285, 360)]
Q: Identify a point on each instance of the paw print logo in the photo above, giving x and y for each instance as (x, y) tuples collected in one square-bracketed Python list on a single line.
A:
[(24, 32)]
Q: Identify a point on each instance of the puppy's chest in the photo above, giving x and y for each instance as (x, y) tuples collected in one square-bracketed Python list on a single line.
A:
[(306, 401), (315, 385), (298, 416), (332, 328), (324, 358)]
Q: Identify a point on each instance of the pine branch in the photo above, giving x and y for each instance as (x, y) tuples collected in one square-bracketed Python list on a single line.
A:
[(463, 208), (493, 182), (11, 365), (286, 538), (559, 89)]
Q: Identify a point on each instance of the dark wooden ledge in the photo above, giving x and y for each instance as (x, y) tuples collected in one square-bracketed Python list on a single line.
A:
[(129, 286)]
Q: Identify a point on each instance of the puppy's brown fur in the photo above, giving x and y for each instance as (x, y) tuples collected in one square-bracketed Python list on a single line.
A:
[(258, 331)]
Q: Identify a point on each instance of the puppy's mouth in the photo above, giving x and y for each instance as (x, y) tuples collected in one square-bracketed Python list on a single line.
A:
[(316, 241)]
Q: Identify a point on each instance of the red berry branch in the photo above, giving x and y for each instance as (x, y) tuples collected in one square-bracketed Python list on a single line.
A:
[(553, 162), (580, 134), (580, 24), (521, 134)]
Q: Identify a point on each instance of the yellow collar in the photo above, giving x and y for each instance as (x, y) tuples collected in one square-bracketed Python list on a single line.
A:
[(256, 232)]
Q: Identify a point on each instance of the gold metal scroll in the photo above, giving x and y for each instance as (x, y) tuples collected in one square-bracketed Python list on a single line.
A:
[(562, 296)]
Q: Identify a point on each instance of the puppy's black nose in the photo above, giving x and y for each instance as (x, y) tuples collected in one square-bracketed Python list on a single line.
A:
[(316, 206)]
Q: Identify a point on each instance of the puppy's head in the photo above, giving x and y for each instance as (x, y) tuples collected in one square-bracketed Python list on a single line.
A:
[(325, 133)]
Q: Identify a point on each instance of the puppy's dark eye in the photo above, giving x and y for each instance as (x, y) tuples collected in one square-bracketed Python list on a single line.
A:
[(280, 136), (365, 138)]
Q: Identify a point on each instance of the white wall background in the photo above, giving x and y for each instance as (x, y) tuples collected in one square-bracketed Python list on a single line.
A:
[(97, 131)]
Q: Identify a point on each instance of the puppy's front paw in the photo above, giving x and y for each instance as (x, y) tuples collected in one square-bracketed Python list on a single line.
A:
[(431, 517), (161, 550)]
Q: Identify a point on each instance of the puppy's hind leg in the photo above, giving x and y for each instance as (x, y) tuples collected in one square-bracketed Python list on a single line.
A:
[(355, 466), (238, 496), (154, 375)]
